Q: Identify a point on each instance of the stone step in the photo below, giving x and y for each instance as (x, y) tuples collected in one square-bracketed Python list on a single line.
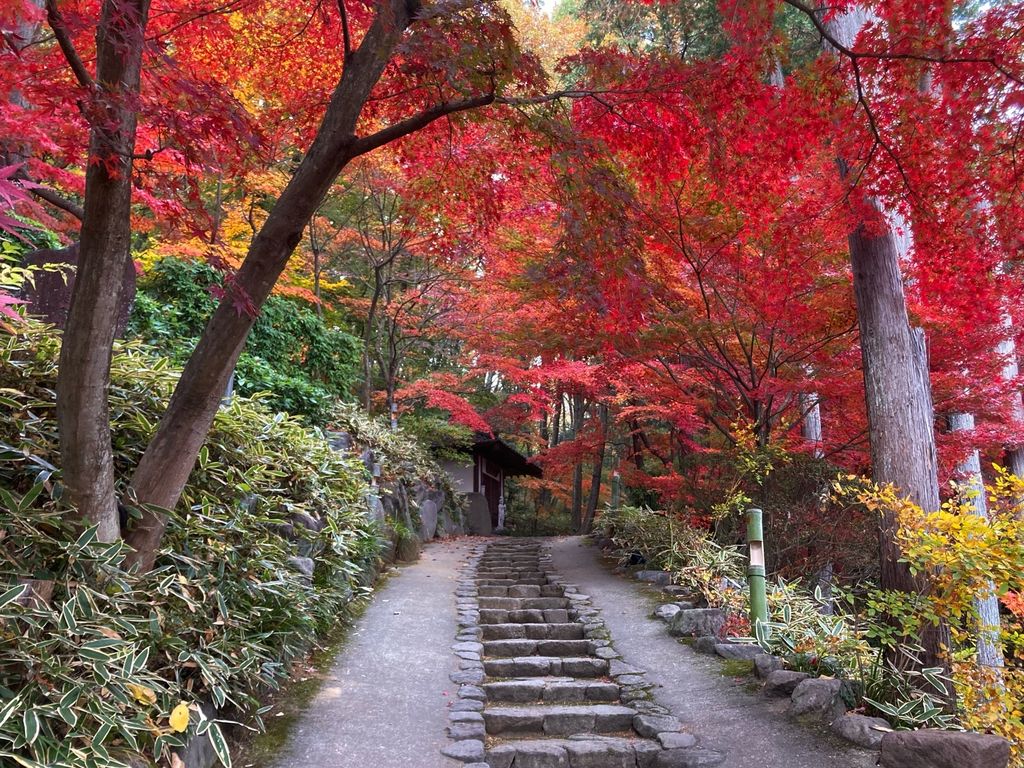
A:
[(534, 616), (526, 647), (520, 590), (585, 751), (545, 666), (523, 603), (558, 720), (558, 690), (569, 631), (541, 582)]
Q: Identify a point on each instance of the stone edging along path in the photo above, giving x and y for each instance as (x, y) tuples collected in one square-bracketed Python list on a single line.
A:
[(824, 700), (540, 685)]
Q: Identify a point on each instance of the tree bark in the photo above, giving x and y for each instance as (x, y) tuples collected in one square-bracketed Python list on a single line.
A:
[(990, 652), (1011, 370), (164, 469), (897, 388), (104, 250), (578, 412), (596, 472)]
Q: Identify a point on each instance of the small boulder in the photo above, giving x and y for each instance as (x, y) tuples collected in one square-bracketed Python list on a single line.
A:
[(677, 740), (666, 612), (466, 751), (303, 565), (706, 644), (943, 749), (649, 726), (782, 682), (661, 578), (861, 730), (697, 622), (765, 664), (738, 651), (817, 698)]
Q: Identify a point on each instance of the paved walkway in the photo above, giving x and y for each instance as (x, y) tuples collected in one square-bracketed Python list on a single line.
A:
[(752, 731), (384, 703)]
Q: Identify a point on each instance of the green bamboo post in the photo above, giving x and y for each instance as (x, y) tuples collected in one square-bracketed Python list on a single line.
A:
[(755, 571)]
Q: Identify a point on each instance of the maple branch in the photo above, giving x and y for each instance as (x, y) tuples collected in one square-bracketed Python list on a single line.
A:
[(67, 47), (812, 14), (412, 124), (58, 201), (345, 33)]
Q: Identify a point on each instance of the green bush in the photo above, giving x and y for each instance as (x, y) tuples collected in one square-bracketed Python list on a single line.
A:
[(92, 671), (302, 363)]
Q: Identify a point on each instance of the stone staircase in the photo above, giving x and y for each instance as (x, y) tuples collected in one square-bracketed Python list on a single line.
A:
[(541, 686)]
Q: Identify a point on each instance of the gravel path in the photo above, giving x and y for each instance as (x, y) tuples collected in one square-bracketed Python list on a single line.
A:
[(752, 731), (385, 701)]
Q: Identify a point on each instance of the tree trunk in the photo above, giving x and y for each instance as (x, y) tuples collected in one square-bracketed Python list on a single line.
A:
[(990, 652), (810, 430), (595, 474), (169, 458), (83, 415), (897, 388), (899, 405), (810, 427), (578, 411), (1011, 370)]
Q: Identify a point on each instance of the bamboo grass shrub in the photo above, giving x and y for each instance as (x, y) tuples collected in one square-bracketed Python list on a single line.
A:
[(102, 667)]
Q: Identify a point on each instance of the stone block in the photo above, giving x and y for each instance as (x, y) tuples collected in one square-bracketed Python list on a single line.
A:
[(697, 622), (765, 664), (817, 698), (465, 751), (649, 726), (863, 731), (943, 749), (738, 651), (666, 612), (661, 578)]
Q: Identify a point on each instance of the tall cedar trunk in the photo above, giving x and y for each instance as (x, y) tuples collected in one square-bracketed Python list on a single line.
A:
[(595, 473), (897, 388), (990, 652), (84, 379), (164, 469), (899, 403)]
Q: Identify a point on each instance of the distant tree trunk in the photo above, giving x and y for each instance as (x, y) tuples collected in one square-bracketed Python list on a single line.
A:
[(83, 417), (596, 472), (164, 469), (810, 427), (990, 652), (897, 388), (556, 421), (315, 246), (810, 430), (1011, 370), (578, 413)]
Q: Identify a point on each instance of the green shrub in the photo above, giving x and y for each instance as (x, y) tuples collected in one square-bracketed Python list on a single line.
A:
[(91, 673), (302, 363)]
